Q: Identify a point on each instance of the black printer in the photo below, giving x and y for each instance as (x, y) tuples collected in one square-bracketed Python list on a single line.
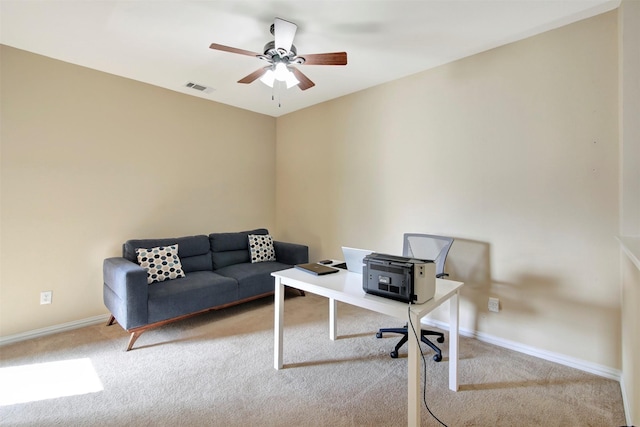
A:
[(399, 278)]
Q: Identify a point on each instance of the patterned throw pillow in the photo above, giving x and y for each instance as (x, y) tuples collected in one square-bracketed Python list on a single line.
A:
[(162, 263), (261, 248)]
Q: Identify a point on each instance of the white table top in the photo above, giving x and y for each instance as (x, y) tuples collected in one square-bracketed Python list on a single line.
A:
[(347, 287)]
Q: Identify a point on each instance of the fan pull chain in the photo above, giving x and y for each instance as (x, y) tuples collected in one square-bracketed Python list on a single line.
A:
[(279, 92), (276, 90)]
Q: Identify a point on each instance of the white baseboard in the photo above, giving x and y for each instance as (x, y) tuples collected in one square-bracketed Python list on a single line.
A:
[(583, 365), (10, 339), (625, 402)]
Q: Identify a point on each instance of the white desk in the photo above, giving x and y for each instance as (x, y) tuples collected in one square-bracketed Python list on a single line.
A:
[(347, 287)]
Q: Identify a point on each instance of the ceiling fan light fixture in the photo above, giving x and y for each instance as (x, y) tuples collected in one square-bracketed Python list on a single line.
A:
[(281, 71), (268, 78), (291, 80)]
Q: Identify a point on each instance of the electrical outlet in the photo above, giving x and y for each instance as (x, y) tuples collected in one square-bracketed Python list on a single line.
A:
[(494, 305), (45, 297)]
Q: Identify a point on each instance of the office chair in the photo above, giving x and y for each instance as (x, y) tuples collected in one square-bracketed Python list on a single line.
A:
[(423, 246)]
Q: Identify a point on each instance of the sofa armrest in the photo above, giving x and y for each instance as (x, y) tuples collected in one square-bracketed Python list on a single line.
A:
[(291, 253), (125, 291)]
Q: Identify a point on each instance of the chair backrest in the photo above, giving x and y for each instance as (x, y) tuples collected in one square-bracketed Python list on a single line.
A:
[(428, 246)]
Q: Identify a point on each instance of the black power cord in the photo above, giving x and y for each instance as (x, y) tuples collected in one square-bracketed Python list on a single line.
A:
[(424, 368)]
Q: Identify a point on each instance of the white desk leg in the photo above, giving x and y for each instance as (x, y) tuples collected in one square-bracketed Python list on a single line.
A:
[(454, 320), (277, 323), (413, 380), (333, 315)]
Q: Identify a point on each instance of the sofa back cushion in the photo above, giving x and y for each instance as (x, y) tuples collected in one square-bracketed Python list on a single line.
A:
[(193, 251), (232, 248)]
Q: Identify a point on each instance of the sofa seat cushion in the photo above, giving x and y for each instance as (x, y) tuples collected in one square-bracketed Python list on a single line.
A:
[(198, 291), (253, 279)]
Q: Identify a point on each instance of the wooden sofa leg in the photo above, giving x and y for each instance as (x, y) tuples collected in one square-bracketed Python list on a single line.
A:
[(134, 336)]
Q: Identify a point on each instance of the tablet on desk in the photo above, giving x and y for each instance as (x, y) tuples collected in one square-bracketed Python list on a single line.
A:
[(317, 269)]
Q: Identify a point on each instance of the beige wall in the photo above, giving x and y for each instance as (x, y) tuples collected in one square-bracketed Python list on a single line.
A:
[(631, 338), (90, 160), (629, 32), (629, 26), (514, 152)]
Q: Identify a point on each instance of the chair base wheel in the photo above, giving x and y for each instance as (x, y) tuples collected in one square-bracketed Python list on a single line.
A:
[(405, 335)]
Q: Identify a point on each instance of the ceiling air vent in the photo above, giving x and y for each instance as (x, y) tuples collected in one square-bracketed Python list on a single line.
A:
[(198, 87)]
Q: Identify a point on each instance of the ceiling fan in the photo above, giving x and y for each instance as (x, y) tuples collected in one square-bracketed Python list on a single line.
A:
[(281, 54)]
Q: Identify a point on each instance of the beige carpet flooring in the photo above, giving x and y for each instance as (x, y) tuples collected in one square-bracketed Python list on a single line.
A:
[(217, 369)]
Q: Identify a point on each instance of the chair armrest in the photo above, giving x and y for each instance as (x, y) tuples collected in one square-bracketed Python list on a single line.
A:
[(291, 253), (125, 291)]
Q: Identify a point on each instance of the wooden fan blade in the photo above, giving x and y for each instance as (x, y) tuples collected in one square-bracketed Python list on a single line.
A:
[(232, 49), (253, 76), (334, 58), (305, 83)]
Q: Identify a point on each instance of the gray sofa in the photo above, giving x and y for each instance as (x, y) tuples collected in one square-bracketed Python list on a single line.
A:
[(218, 273)]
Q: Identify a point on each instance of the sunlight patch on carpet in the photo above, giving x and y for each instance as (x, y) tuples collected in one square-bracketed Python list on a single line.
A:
[(40, 381)]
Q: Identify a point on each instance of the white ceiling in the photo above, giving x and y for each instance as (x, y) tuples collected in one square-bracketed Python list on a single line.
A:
[(166, 43)]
